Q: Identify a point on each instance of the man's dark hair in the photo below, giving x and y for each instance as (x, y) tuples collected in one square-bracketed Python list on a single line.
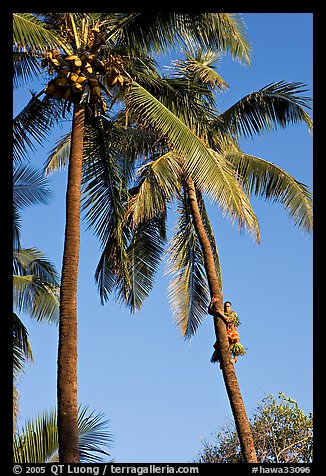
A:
[(228, 302)]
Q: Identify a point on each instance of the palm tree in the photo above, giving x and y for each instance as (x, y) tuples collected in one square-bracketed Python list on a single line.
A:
[(37, 441), (91, 63), (35, 281), (193, 250)]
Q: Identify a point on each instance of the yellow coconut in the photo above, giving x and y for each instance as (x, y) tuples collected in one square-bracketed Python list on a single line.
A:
[(73, 77), (88, 69), (77, 87), (81, 79), (71, 57)]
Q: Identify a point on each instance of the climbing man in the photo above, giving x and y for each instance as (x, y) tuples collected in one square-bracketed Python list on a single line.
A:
[(232, 322)]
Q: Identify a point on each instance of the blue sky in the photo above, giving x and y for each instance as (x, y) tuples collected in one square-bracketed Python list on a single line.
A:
[(161, 393)]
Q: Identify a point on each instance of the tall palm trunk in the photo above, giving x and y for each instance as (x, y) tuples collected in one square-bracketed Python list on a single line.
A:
[(67, 351), (229, 375)]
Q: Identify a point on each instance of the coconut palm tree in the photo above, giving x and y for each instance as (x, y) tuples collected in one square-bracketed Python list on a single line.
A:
[(35, 280), (83, 53), (194, 259), (37, 440)]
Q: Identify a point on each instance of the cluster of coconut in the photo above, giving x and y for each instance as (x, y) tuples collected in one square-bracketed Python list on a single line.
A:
[(74, 72)]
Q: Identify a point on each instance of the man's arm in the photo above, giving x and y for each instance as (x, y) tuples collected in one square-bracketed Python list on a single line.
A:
[(218, 312)]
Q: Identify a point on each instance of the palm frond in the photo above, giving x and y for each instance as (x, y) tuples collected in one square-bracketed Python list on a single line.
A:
[(16, 228), (188, 289), (105, 200), (36, 288), (200, 67), (26, 67), (20, 337), (276, 105), (111, 152), (152, 32), (31, 34), (226, 188), (33, 124), (105, 275), (37, 441), (104, 187), (158, 181), (59, 155), (233, 32), (181, 96), (264, 179), (21, 354), (30, 186), (208, 168), (144, 254), (93, 435)]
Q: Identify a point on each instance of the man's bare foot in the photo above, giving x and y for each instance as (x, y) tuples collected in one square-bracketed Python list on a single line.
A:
[(233, 360)]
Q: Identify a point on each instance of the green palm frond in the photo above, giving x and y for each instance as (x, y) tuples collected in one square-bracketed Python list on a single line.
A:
[(30, 33), (105, 273), (34, 123), (188, 288), (144, 254), (22, 354), (181, 97), (93, 435), (16, 228), (209, 169), (277, 104), (150, 32), (104, 183), (21, 341), (26, 68), (104, 202), (233, 33), (227, 190), (111, 152), (264, 179), (30, 186), (36, 288), (158, 181), (199, 67), (37, 441), (59, 155)]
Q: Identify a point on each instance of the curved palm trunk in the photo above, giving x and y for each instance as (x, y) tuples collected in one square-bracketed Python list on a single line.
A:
[(229, 375), (67, 350)]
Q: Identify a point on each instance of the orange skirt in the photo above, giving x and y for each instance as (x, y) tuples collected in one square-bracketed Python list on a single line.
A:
[(233, 335)]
